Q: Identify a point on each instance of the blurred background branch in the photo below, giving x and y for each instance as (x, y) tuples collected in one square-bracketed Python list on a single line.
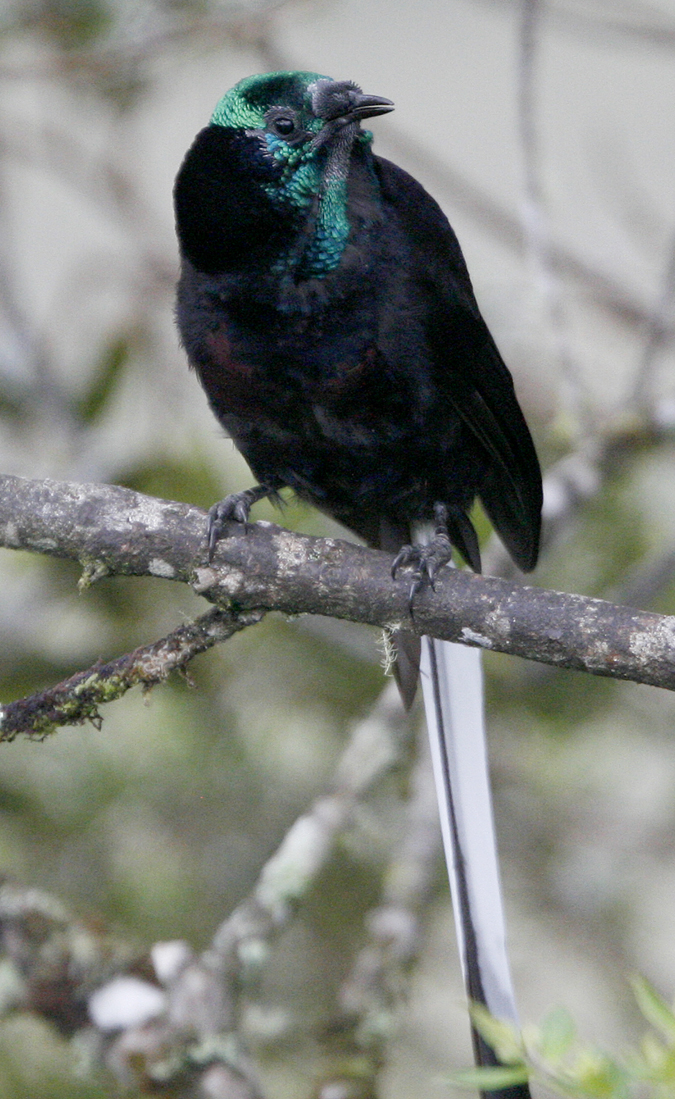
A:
[(170, 1021)]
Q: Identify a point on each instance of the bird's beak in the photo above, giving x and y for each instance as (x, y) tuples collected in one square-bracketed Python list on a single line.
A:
[(367, 106), (342, 105)]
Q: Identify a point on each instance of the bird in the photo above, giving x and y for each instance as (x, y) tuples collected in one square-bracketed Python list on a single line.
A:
[(326, 307)]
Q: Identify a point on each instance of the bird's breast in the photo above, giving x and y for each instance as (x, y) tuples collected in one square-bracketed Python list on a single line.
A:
[(295, 379)]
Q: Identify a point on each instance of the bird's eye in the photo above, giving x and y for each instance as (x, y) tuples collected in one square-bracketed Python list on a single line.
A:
[(284, 125), (284, 122)]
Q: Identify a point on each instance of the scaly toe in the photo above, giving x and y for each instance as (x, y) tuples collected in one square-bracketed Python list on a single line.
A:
[(234, 507), (407, 555), (426, 561)]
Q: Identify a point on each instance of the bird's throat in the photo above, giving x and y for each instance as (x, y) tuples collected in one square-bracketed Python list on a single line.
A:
[(320, 244)]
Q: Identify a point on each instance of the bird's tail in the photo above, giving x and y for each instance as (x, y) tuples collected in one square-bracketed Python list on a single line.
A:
[(452, 685)]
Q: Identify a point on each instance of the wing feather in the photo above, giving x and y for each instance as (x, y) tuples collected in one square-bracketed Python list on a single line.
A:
[(469, 370)]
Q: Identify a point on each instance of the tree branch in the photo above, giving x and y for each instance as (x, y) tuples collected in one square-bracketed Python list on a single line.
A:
[(76, 700), (114, 531)]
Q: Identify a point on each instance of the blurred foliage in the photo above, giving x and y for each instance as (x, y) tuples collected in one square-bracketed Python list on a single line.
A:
[(160, 822), (34, 1061), (553, 1057), (67, 23)]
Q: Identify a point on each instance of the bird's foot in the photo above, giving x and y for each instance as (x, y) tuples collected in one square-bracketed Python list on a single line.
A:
[(427, 558), (426, 561), (236, 507)]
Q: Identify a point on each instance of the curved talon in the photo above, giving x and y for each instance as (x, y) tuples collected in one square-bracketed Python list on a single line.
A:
[(218, 517), (431, 566), (405, 556), (236, 507), (414, 588), (426, 559)]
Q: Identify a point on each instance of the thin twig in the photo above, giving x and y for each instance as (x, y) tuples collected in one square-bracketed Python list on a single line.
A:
[(658, 331), (77, 700), (535, 221), (641, 24), (129, 52), (372, 992), (375, 747)]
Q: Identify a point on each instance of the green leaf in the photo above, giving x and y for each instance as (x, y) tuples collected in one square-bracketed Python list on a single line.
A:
[(653, 1061), (652, 1054), (504, 1038), (600, 1076), (103, 382), (654, 1008), (557, 1034), (489, 1078)]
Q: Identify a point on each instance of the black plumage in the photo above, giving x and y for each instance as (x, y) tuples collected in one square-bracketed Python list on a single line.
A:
[(326, 306)]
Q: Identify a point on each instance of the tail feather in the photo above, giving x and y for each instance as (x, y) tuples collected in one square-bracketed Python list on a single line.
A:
[(406, 666), (390, 537), (452, 684)]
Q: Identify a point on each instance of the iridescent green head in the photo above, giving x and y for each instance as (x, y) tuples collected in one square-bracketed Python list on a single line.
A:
[(304, 126), (247, 105), (295, 106)]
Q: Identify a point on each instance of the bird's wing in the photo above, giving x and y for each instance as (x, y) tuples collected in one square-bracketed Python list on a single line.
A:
[(470, 372)]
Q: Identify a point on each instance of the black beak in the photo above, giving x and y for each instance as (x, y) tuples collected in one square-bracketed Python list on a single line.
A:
[(367, 106), (344, 102)]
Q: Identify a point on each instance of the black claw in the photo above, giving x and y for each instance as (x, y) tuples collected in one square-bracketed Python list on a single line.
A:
[(426, 559), (414, 588), (405, 556), (218, 517), (235, 507), (213, 535), (432, 565)]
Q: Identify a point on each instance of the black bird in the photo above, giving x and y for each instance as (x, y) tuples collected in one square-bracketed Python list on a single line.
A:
[(326, 306)]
